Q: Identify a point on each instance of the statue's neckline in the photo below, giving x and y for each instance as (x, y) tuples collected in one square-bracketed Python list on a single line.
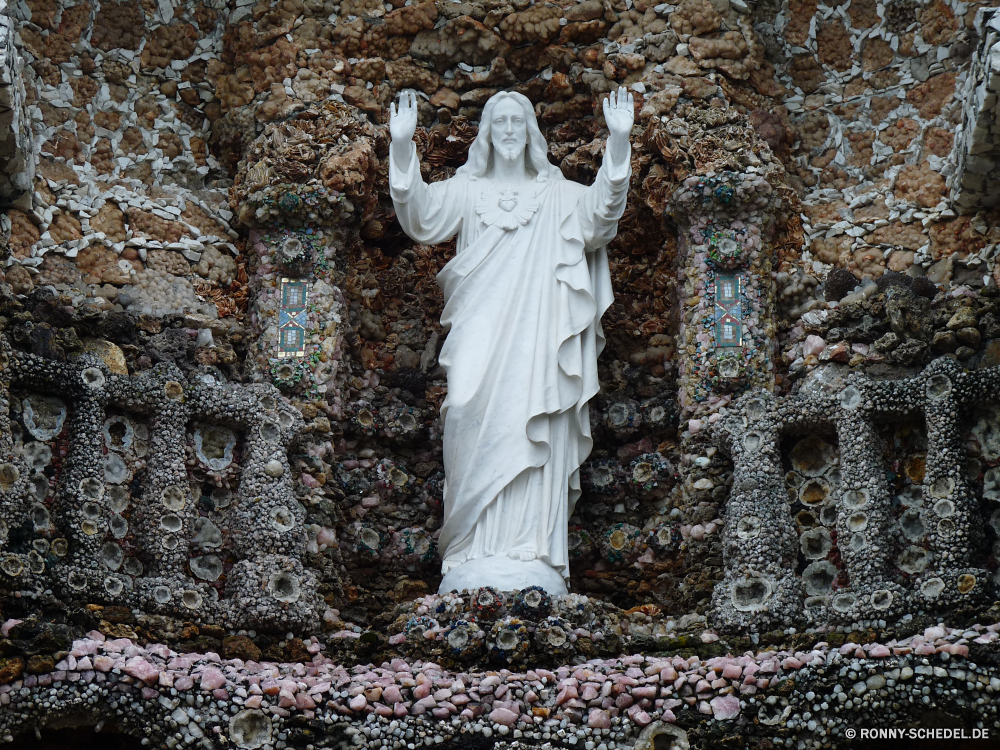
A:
[(507, 205)]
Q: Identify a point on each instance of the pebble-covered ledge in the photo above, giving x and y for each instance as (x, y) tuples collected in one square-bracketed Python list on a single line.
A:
[(797, 698)]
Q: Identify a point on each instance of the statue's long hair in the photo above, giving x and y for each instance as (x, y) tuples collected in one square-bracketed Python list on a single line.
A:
[(481, 152)]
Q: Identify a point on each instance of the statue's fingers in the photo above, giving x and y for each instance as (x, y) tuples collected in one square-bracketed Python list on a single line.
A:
[(413, 99)]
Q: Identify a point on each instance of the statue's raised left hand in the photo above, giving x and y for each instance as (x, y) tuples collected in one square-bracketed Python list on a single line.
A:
[(619, 113)]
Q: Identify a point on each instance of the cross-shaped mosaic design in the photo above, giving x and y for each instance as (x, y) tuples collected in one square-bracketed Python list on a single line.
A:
[(292, 319)]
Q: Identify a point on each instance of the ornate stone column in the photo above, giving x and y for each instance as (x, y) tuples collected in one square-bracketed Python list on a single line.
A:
[(726, 333)]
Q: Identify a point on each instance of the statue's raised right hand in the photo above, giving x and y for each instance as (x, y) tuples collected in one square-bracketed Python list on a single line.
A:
[(403, 118)]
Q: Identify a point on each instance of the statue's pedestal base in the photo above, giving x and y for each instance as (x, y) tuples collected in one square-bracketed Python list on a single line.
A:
[(504, 574)]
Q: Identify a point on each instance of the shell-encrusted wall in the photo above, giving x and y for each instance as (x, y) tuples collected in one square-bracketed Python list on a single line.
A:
[(154, 492), (221, 479)]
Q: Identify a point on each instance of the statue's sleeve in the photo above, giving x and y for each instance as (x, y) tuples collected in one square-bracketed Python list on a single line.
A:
[(602, 204), (428, 213)]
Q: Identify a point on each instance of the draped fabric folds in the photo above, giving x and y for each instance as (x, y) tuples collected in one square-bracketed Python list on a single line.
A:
[(522, 309)]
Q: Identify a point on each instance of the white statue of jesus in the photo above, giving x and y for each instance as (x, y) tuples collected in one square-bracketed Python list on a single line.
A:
[(524, 296)]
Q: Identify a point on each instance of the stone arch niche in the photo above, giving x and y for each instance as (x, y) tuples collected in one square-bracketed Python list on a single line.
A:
[(99, 500)]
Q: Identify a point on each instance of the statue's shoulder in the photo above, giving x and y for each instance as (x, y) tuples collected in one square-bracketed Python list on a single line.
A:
[(567, 188)]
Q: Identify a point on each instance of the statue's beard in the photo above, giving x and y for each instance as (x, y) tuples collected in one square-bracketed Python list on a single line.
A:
[(508, 153)]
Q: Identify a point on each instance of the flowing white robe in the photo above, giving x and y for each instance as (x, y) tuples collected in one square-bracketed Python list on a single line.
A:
[(523, 310)]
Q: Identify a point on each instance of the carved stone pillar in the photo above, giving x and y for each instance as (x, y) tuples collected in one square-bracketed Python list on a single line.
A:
[(727, 297)]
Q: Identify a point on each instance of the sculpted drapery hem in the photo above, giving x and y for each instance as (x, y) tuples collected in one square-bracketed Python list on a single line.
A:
[(523, 311)]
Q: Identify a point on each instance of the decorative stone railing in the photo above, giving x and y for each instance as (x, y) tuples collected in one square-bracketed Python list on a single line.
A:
[(97, 501), (762, 588)]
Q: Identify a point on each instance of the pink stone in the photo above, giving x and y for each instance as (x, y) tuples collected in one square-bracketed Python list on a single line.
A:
[(184, 682), (149, 694), (84, 664), (270, 687), (399, 711), (383, 710), (103, 663), (6, 627), (732, 672), (286, 699), (503, 716), (253, 701), (304, 702), (141, 669), (879, 651), (707, 637), (567, 693), (725, 706), (589, 692), (791, 663), (212, 678), (392, 695), (644, 691), (813, 345), (220, 694), (668, 674), (358, 703), (166, 679), (422, 690), (598, 719), (85, 647), (642, 718)]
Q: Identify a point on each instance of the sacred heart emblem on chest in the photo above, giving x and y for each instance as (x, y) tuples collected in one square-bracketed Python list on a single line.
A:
[(507, 206)]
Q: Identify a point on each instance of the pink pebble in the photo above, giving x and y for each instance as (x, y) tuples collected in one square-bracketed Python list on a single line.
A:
[(141, 669), (103, 663), (422, 690), (879, 651), (813, 345), (358, 703), (304, 702), (212, 678), (253, 701), (503, 716), (732, 672), (184, 682), (598, 719)]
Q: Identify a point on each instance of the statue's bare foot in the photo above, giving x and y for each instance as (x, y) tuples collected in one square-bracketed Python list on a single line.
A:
[(521, 555)]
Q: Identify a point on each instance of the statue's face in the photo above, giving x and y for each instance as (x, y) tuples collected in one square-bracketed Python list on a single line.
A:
[(509, 129)]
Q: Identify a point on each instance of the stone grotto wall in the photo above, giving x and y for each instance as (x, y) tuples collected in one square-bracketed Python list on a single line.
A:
[(221, 477)]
